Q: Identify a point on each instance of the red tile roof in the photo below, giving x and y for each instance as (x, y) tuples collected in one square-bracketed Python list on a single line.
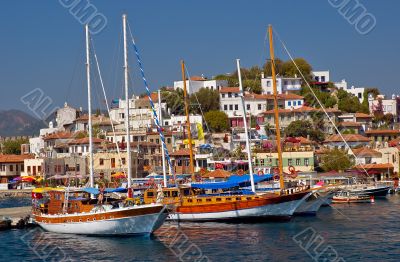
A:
[(366, 152), (58, 135), (362, 115), (382, 132), (14, 158), (219, 173), (349, 124), (154, 97), (303, 109), (85, 140), (181, 152), (197, 78), (229, 90), (375, 166), (347, 137)]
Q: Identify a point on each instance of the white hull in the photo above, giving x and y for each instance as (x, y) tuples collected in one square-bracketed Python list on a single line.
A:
[(313, 204), (134, 225), (285, 209)]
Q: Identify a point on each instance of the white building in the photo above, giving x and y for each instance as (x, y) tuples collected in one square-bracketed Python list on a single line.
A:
[(65, 115), (321, 76), (389, 106), (341, 85), (230, 102), (141, 114), (197, 82), (283, 84)]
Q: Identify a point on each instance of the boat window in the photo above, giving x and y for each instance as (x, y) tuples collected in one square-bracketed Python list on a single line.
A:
[(248, 198), (150, 194), (238, 198), (228, 199), (218, 199), (208, 199), (174, 193), (186, 192), (190, 201), (80, 220), (166, 193), (199, 200), (94, 219), (88, 219)]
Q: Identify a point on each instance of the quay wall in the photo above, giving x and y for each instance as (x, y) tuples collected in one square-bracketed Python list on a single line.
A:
[(15, 193)]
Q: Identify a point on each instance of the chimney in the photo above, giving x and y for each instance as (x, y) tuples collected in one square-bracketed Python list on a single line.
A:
[(262, 75)]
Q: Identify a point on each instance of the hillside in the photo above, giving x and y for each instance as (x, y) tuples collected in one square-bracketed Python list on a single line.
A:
[(16, 123)]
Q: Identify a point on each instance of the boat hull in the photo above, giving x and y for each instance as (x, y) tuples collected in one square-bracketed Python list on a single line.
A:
[(311, 205), (282, 209), (128, 221), (376, 192)]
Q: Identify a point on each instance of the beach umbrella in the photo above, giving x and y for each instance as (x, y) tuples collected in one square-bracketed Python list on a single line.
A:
[(28, 179), (118, 175)]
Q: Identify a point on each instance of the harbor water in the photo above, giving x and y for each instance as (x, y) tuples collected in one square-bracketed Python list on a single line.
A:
[(343, 232)]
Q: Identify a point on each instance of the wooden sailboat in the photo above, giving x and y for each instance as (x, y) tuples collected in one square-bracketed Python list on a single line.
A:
[(220, 204), (78, 212)]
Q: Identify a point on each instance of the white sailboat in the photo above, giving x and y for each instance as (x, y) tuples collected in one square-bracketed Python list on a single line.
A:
[(76, 212)]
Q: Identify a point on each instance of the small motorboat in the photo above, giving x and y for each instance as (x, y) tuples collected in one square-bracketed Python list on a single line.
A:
[(5, 223), (350, 197)]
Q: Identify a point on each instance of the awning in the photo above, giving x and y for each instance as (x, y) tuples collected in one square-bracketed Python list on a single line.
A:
[(233, 181)]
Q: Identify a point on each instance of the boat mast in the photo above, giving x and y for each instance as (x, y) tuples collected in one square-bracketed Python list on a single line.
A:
[(91, 176), (127, 124), (186, 98), (276, 109), (241, 94), (162, 147)]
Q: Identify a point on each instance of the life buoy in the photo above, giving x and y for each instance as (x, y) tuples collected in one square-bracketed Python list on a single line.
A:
[(260, 173), (240, 172), (292, 170), (276, 177)]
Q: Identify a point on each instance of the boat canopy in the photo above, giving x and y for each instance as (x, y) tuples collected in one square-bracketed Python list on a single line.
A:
[(233, 181), (96, 191)]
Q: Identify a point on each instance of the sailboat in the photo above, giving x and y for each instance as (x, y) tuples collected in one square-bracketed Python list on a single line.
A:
[(224, 201), (78, 212)]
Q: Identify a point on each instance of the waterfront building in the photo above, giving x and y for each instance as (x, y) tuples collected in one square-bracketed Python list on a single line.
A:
[(359, 119), (11, 166), (391, 155), (365, 155), (44, 167), (197, 82), (302, 160), (181, 161)]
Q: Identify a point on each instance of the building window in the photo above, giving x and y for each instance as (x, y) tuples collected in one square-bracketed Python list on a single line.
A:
[(298, 161), (230, 107), (322, 78), (268, 83), (299, 103), (289, 103), (285, 82), (259, 106), (11, 168), (290, 162), (123, 160), (157, 141), (101, 161), (261, 162), (248, 106), (223, 95), (229, 94), (236, 107), (168, 140), (306, 162), (226, 107)]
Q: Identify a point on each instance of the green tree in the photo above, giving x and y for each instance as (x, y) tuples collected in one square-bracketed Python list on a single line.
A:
[(205, 98), (217, 120), (289, 68), (327, 100), (304, 128), (348, 102), (13, 147), (278, 67), (231, 78), (174, 100), (337, 160)]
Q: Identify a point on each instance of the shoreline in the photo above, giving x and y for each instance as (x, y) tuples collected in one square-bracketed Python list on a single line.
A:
[(22, 193)]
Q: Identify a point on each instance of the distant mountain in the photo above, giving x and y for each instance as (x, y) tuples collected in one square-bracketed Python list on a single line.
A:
[(18, 123)]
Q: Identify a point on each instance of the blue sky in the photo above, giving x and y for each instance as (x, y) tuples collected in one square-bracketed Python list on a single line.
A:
[(42, 44)]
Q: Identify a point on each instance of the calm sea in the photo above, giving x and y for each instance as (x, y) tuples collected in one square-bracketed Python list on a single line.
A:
[(358, 232)]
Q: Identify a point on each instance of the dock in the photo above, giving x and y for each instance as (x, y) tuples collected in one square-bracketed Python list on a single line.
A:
[(20, 216)]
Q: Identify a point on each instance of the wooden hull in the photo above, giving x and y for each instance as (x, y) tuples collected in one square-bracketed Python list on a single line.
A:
[(339, 200), (137, 220), (269, 207)]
